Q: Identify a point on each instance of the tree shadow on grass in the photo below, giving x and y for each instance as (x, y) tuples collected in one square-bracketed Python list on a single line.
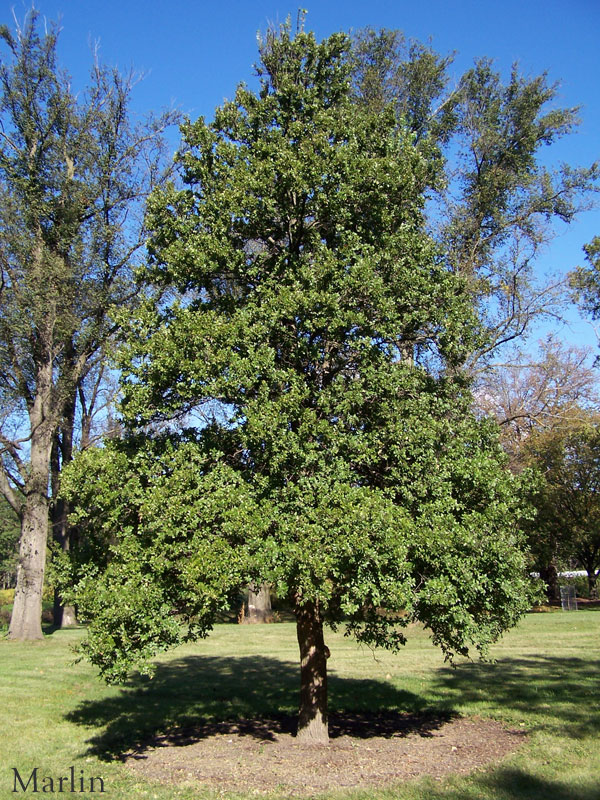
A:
[(557, 694), (195, 697), (515, 784)]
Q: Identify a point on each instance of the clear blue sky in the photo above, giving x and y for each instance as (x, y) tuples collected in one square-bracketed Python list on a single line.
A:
[(193, 54)]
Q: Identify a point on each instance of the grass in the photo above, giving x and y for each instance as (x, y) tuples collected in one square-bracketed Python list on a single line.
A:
[(545, 680)]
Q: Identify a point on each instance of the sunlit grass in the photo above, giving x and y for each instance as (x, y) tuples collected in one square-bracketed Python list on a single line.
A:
[(545, 680)]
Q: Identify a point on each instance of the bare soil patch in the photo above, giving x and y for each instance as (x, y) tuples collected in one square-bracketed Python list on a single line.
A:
[(255, 757)]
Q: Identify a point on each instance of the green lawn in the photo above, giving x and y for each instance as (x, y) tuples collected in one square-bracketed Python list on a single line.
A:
[(545, 680)]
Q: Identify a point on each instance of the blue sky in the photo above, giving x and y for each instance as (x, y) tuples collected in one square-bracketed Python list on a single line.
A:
[(193, 53)]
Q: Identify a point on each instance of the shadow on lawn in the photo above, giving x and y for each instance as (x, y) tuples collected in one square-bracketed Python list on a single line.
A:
[(511, 783), (198, 696), (515, 784), (556, 694)]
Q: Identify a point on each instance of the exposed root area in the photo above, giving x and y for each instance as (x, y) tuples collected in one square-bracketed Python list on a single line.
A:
[(255, 757)]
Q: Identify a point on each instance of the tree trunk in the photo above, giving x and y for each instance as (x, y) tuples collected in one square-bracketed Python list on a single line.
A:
[(312, 718), (62, 454), (64, 615), (592, 584), (550, 577), (26, 618), (258, 607)]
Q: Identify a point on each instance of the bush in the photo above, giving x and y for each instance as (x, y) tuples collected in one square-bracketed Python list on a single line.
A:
[(5, 612), (7, 597)]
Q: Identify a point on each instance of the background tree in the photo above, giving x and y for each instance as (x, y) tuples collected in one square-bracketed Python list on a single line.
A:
[(493, 204), (568, 500), (539, 395), (540, 391), (71, 173), (411, 78), (353, 479), (257, 605), (585, 281), (89, 415)]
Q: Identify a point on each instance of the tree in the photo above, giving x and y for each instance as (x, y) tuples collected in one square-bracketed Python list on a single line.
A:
[(257, 606), (88, 416), (71, 173), (568, 500), (538, 392), (409, 77), (494, 205), (539, 395), (585, 281), (355, 480)]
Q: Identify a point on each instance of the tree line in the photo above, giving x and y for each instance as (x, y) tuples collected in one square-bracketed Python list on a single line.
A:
[(310, 312)]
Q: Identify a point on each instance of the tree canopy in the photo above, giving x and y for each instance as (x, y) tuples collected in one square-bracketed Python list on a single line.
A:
[(539, 402), (495, 197), (568, 497), (537, 392), (313, 325)]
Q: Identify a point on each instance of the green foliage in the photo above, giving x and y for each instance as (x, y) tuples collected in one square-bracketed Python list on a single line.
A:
[(506, 190), (62, 249), (9, 543), (6, 596), (71, 169), (568, 498), (320, 334), (411, 79), (579, 582), (162, 547), (586, 280)]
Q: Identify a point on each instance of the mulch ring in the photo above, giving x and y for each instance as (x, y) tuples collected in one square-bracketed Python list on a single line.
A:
[(255, 757)]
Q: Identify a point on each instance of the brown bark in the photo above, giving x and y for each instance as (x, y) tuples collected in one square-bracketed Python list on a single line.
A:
[(64, 616), (588, 558), (312, 717), (258, 605)]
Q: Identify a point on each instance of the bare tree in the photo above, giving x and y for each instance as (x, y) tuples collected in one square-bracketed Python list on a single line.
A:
[(530, 393)]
